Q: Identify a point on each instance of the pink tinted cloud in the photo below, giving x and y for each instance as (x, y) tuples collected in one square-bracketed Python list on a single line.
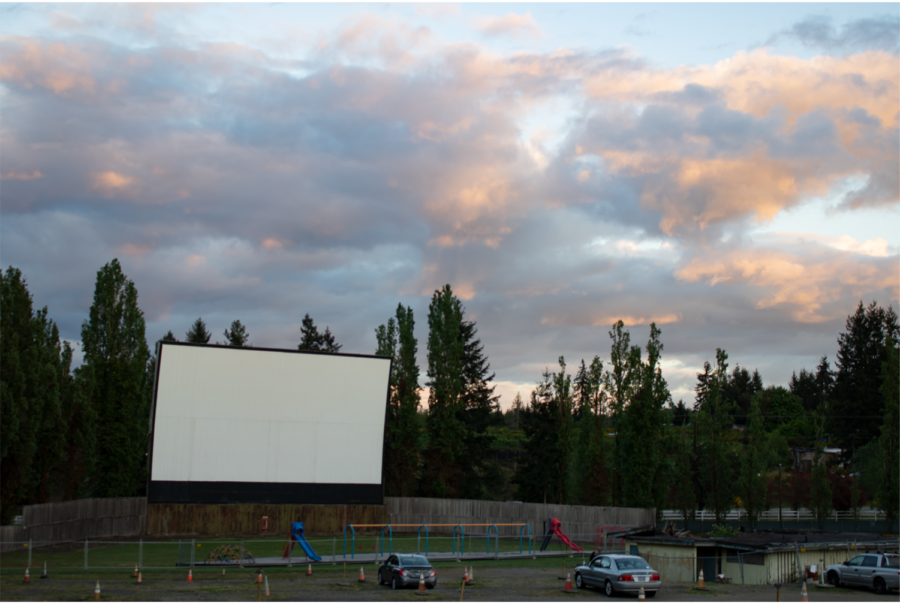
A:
[(509, 24)]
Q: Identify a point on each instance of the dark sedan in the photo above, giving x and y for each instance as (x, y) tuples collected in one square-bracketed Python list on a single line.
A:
[(404, 570), (619, 574)]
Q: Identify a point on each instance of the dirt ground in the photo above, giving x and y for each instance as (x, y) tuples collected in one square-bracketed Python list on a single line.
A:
[(506, 582)]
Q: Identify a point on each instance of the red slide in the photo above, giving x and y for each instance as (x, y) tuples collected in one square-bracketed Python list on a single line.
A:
[(554, 527)]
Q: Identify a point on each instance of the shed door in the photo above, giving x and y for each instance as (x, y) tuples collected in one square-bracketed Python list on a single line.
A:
[(706, 560)]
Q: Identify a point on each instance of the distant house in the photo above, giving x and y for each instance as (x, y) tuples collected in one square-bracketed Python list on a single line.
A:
[(803, 458), (777, 556)]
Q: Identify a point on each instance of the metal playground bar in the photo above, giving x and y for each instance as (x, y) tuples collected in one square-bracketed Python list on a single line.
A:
[(456, 526)]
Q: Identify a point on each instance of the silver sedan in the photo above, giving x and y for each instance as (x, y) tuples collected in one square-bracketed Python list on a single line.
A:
[(618, 574)]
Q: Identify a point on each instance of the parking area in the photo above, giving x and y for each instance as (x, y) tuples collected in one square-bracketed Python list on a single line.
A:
[(521, 580)]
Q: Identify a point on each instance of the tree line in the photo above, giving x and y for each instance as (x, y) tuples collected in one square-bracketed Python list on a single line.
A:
[(603, 435)]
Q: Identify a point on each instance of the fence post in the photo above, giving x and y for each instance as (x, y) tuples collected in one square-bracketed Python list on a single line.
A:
[(141, 553), (334, 549), (30, 546), (242, 553), (86, 547), (193, 548)]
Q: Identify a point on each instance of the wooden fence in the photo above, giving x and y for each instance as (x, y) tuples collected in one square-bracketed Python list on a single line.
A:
[(76, 520), (578, 522), (12, 538), (210, 520), (128, 517)]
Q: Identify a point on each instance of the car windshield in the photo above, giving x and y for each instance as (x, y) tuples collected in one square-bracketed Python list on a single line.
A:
[(414, 560), (635, 563)]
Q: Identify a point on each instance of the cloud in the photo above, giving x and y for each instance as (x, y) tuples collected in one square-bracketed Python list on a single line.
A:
[(510, 24), (22, 175), (882, 33), (373, 163)]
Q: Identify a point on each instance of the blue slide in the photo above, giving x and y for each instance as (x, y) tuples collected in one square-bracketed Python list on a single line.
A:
[(297, 533)]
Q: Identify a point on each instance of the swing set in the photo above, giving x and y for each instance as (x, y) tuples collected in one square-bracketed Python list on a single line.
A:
[(456, 526)]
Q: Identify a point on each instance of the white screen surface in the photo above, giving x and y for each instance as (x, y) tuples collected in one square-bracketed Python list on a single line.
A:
[(244, 415)]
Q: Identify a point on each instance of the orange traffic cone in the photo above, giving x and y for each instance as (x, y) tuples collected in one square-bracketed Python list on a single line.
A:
[(641, 595), (97, 591), (140, 581), (700, 582), (267, 586), (190, 576), (223, 572), (309, 570), (27, 579), (466, 576), (568, 587), (259, 577), (804, 595), (135, 572), (362, 575), (421, 590)]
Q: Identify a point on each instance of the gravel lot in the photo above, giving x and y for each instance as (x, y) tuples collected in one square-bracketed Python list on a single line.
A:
[(502, 581)]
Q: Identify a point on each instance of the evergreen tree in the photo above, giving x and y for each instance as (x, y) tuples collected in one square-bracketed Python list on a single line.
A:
[(715, 427), (237, 336), (401, 445), (804, 386), (313, 341), (888, 492), (115, 351), (479, 413), (862, 350), (755, 460), (536, 479), (739, 391), (591, 455), (169, 337), (681, 415), (198, 333), (561, 393), (446, 349), (702, 388)]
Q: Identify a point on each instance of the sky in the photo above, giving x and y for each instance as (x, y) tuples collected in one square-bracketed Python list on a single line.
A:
[(730, 172)]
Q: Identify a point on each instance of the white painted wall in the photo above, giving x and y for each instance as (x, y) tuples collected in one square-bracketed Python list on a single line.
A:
[(244, 415)]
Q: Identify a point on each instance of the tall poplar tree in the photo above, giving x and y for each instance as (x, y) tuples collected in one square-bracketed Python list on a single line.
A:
[(34, 373), (642, 441), (591, 456), (443, 473), (618, 383), (756, 458), (888, 492), (402, 441), (715, 420), (116, 352)]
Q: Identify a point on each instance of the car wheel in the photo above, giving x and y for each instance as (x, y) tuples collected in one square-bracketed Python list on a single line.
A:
[(880, 586), (833, 579), (394, 582), (430, 586), (579, 581), (380, 578), (608, 589)]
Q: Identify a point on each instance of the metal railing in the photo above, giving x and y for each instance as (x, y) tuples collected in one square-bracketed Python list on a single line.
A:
[(865, 513)]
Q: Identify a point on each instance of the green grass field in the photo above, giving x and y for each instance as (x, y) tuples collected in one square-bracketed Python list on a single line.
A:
[(167, 554)]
